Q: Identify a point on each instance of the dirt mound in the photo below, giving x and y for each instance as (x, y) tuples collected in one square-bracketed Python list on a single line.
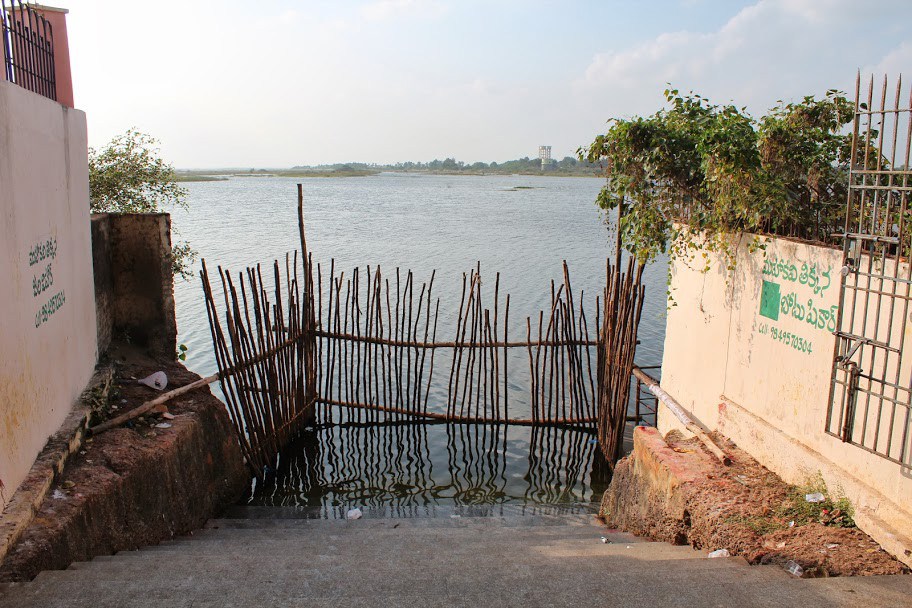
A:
[(673, 490), (139, 484)]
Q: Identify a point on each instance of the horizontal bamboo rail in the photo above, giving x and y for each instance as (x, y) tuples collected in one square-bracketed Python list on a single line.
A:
[(460, 419), (403, 344)]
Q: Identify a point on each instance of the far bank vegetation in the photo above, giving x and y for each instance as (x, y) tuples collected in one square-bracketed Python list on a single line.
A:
[(568, 166)]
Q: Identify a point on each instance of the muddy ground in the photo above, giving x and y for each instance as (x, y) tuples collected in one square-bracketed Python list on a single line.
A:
[(744, 508), (156, 477)]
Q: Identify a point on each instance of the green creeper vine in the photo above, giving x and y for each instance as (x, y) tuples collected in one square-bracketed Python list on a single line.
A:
[(695, 175)]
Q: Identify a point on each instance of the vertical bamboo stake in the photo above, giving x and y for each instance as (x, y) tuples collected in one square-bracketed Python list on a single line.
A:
[(506, 377)]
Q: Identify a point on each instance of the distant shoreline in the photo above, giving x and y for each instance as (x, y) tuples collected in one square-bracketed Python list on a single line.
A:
[(222, 174)]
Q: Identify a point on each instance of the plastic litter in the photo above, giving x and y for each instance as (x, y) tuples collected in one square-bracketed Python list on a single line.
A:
[(794, 568), (158, 381), (354, 513), (58, 495), (832, 545), (815, 497), (163, 425), (455, 516), (605, 540), (719, 553)]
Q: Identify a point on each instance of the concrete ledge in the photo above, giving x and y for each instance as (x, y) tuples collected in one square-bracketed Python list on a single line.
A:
[(645, 496), (50, 464)]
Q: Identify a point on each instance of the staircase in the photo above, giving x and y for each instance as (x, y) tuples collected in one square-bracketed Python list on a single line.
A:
[(458, 557)]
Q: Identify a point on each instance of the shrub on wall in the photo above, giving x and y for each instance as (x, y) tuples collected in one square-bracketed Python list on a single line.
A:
[(694, 173), (129, 176)]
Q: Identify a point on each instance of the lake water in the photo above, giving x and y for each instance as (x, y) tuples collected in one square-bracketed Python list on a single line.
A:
[(520, 226)]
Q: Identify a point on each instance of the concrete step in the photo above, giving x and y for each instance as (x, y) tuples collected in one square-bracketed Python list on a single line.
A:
[(210, 577), (407, 555), (650, 587), (543, 515), (503, 560), (448, 522), (355, 541), (253, 512)]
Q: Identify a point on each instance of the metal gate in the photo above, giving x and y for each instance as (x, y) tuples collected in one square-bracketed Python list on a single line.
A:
[(871, 387)]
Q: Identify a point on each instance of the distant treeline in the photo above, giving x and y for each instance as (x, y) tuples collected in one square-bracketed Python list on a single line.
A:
[(528, 166), (566, 166)]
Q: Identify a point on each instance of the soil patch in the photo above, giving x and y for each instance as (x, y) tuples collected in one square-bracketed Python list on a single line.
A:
[(158, 476), (673, 490)]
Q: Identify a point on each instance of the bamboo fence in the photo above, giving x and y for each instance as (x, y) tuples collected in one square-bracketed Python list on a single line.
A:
[(623, 305), (283, 357)]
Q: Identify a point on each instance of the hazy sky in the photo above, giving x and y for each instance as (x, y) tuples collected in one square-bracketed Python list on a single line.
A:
[(281, 82)]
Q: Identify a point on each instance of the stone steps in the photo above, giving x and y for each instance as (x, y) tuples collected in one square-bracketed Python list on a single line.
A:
[(503, 560)]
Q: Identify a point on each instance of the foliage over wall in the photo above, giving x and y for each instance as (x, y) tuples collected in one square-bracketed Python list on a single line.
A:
[(129, 176), (694, 173)]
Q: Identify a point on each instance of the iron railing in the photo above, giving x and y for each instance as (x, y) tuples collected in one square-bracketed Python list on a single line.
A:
[(871, 390), (27, 48), (645, 403)]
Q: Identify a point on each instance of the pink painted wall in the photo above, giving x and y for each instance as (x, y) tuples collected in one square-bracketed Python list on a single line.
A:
[(47, 303), (62, 71)]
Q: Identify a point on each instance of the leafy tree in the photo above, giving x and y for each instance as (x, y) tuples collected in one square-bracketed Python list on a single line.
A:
[(129, 176), (694, 173)]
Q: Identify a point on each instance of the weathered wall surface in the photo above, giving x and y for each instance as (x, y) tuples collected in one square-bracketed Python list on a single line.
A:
[(134, 285), (750, 355), (47, 304), (104, 280)]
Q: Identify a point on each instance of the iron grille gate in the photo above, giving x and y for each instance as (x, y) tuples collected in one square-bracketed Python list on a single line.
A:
[(871, 387), (27, 48)]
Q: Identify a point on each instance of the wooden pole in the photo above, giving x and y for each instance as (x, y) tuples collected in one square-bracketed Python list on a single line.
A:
[(675, 408)]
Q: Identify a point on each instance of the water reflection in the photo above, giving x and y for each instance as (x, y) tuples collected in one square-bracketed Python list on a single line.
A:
[(409, 466)]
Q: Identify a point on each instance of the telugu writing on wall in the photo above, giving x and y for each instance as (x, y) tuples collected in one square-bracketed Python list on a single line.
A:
[(792, 291), (41, 258)]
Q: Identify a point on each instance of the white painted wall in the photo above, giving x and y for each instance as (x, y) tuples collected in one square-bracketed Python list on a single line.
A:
[(47, 303), (761, 375)]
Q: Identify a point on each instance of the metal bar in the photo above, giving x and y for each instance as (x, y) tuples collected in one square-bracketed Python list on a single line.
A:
[(28, 48), (899, 280)]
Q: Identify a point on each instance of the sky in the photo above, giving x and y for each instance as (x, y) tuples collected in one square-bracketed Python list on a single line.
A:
[(280, 83)]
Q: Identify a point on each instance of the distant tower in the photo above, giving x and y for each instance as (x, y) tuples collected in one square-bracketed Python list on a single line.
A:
[(544, 153)]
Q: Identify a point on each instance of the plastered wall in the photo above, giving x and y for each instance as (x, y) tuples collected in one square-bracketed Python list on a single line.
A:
[(749, 353), (47, 305), (134, 283)]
